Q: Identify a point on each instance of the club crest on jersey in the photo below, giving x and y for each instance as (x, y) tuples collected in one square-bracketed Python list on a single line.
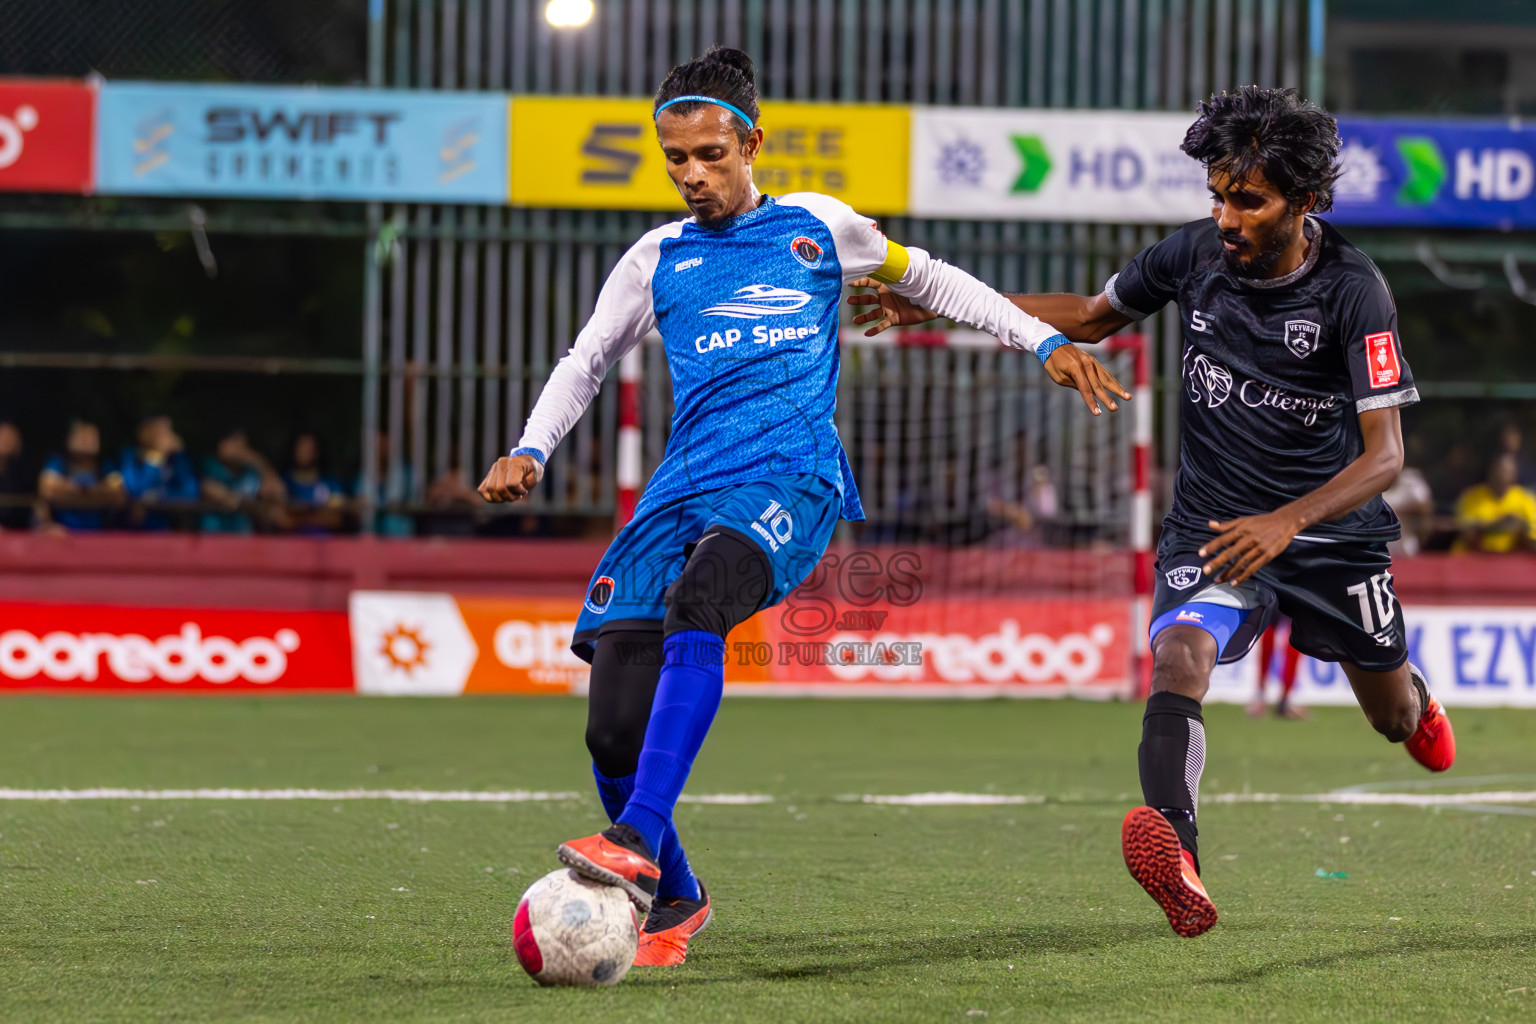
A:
[(1184, 577), (600, 596), (806, 251), (1301, 337)]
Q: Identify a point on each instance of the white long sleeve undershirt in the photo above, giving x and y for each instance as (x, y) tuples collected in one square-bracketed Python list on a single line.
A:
[(625, 311)]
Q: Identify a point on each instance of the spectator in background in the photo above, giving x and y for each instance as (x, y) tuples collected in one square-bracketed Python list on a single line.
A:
[(1289, 660), (1016, 523), (157, 475), (394, 491), (1511, 442), (80, 486), (1498, 515), (1414, 503), (243, 483), (16, 488), (453, 510), (316, 502)]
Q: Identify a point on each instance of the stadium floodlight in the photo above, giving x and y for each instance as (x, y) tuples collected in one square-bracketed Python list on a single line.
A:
[(568, 13)]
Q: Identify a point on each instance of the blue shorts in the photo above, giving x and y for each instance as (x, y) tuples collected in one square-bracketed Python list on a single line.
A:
[(790, 517)]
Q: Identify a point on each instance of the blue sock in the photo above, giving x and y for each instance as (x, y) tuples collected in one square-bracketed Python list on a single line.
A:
[(677, 879), (687, 697), (614, 793)]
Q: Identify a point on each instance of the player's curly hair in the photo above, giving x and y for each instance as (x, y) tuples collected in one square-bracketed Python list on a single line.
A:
[(722, 73), (1294, 142)]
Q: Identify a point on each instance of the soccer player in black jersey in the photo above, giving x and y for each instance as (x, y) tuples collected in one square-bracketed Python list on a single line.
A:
[(1294, 380)]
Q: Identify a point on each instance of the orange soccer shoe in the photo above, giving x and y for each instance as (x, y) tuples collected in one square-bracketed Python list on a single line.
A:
[(669, 926), (615, 856), (1432, 744), (1167, 871)]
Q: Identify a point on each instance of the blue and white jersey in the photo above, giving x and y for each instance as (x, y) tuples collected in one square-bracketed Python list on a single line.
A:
[(748, 312)]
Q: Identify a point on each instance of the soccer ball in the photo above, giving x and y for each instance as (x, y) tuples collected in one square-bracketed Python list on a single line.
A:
[(570, 930)]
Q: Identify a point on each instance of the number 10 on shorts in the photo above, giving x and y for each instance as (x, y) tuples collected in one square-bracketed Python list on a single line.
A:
[(1379, 588)]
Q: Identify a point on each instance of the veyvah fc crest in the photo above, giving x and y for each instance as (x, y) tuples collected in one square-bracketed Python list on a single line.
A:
[(1301, 337)]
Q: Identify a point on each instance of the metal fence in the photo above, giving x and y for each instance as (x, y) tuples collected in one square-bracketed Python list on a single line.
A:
[(466, 309), (469, 308)]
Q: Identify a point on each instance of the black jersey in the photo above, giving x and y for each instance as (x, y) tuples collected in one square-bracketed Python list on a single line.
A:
[(1276, 373)]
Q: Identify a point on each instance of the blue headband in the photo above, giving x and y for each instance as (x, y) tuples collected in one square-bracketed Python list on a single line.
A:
[(704, 99)]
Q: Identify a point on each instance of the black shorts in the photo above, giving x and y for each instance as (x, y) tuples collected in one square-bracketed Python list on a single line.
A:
[(1338, 595)]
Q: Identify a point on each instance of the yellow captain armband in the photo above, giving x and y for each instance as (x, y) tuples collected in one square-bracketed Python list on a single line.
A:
[(895, 266)]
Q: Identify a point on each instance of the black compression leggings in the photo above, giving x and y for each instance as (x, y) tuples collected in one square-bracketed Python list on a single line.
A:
[(725, 581)]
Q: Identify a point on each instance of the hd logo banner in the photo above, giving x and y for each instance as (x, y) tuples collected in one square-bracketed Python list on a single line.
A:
[(293, 143), (1054, 165), (1439, 173), (586, 153)]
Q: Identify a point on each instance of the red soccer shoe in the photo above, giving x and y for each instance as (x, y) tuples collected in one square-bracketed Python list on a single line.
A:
[(1167, 871), (1433, 744), (669, 926), (615, 856)]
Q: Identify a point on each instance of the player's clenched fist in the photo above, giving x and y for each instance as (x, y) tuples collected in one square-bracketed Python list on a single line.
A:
[(511, 478)]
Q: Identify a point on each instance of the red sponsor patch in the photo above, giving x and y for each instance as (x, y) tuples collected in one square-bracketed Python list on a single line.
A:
[(1381, 353), (46, 129)]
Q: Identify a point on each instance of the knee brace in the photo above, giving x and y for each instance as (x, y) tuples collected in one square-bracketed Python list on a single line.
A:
[(726, 580)]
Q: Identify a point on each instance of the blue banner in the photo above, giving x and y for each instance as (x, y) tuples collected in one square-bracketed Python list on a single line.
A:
[(1436, 174), (297, 143)]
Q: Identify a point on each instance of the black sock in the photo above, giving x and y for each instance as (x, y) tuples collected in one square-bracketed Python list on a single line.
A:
[(1172, 756)]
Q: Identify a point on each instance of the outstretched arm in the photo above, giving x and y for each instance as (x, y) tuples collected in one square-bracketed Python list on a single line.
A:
[(927, 283), (868, 257), (1078, 317), (622, 316)]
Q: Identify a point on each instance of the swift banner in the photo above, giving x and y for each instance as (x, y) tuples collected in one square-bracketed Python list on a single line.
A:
[(295, 143), (586, 153), (1054, 165), (46, 131), (1436, 173), (1472, 656), (84, 647)]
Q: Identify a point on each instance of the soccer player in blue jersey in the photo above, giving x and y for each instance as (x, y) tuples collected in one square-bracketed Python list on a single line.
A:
[(745, 295)]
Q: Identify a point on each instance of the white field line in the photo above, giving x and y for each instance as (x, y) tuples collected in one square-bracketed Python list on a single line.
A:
[(1379, 799), (425, 796), (461, 796), (948, 799), (1341, 797)]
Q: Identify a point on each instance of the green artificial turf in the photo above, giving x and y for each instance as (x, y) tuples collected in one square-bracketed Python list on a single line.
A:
[(828, 910)]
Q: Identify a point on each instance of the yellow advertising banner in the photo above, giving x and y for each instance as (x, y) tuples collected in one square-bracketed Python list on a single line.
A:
[(593, 153)]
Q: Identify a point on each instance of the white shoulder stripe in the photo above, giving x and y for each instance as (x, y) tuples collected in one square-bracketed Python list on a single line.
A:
[(1120, 306), (1407, 396)]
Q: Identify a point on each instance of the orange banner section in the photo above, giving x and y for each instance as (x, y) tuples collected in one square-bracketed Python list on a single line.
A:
[(525, 645), (943, 646)]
